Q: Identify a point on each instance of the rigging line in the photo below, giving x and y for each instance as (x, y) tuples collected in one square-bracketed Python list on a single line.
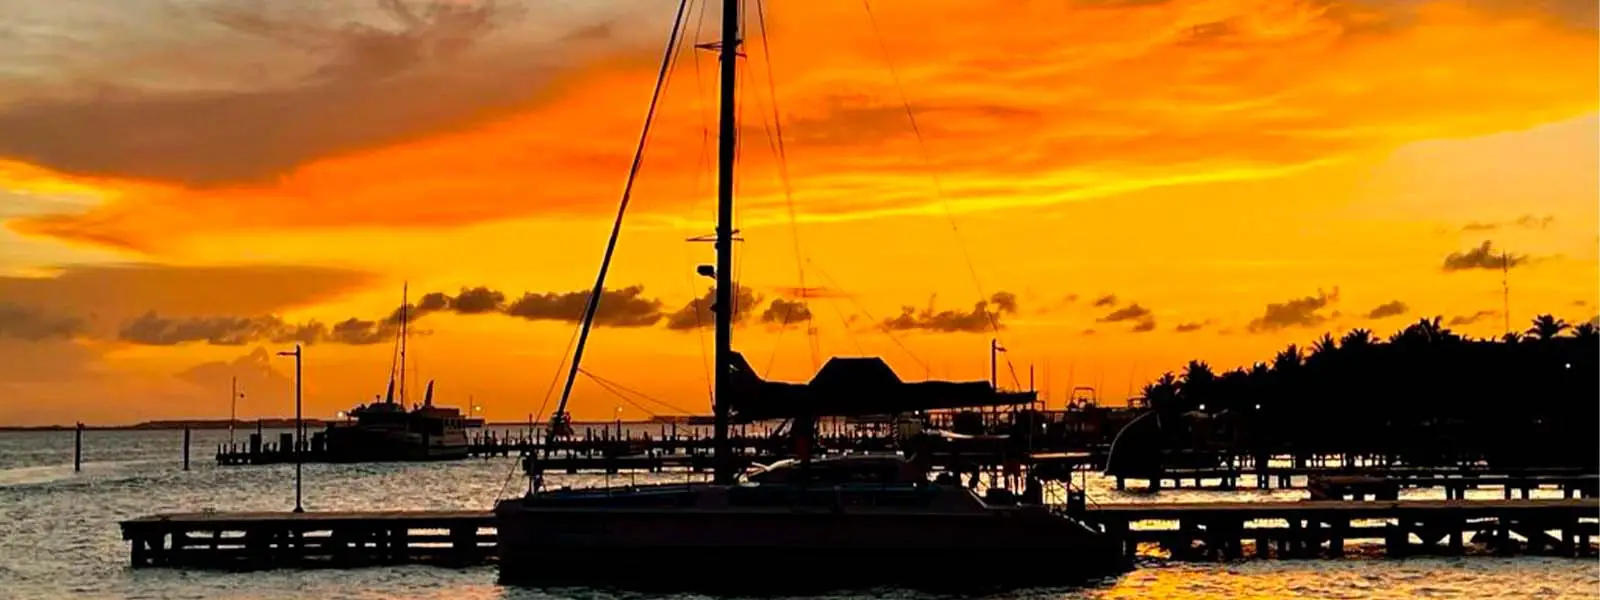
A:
[(700, 170), (788, 310), (627, 194), (511, 470), (863, 310), (641, 395), (622, 397), (783, 174), (927, 163)]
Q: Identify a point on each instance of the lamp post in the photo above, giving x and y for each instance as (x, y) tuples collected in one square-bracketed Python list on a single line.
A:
[(299, 428)]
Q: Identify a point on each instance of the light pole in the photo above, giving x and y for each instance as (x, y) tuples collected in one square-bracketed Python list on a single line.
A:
[(994, 363), (299, 427)]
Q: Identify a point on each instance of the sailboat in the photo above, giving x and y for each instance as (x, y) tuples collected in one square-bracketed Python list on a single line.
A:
[(832, 522), (387, 431)]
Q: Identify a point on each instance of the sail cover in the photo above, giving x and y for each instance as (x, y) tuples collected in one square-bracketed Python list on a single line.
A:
[(856, 386)]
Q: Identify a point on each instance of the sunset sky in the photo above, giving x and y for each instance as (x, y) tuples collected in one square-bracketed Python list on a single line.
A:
[(188, 188)]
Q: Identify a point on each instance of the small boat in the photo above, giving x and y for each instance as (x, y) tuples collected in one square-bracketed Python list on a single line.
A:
[(386, 430)]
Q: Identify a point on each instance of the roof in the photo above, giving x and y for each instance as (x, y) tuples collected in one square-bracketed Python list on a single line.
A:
[(857, 386)]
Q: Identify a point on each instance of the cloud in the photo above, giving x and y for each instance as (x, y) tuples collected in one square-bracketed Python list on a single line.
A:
[(27, 323), (375, 125), (984, 316), (101, 298), (626, 307), (1300, 312), (259, 380), (784, 312), (1482, 257), (1188, 327), (326, 83), (697, 312), (1524, 222), (1144, 325), (1473, 318), (1392, 308), (155, 330), (1130, 312), (1105, 301)]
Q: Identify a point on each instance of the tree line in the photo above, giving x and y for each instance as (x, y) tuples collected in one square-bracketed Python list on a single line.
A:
[(1426, 394)]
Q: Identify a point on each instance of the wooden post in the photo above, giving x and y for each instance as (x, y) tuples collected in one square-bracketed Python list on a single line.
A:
[(185, 448), (77, 449)]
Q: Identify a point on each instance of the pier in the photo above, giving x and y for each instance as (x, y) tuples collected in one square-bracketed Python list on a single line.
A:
[(1187, 531)]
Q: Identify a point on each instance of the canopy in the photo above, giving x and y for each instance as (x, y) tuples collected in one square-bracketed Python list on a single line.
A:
[(856, 386)]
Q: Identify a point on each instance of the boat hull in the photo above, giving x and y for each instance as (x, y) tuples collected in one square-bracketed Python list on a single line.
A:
[(685, 548)]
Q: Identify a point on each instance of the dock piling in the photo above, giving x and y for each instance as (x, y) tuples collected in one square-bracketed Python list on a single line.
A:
[(186, 438), (77, 449)]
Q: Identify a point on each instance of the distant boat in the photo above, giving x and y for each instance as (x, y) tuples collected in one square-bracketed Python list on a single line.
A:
[(386, 431)]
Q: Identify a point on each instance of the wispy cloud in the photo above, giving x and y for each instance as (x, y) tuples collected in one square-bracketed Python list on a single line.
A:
[(368, 125)]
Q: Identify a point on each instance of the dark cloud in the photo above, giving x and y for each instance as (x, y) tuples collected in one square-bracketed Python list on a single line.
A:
[(1131, 312), (155, 330), (626, 307), (1300, 312), (784, 312), (1474, 317), (26, 323), (1523, 222), (984, 316), (1105, 301), (1188, 327), (1144, 325), (1393, 308), (1482, 257), (697, 312), (366, 85)]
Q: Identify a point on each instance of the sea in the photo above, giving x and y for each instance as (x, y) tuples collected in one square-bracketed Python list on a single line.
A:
[(59, 535)]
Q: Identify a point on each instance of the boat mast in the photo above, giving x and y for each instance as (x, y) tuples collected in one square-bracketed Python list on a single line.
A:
[(404, 315), (728, 52)]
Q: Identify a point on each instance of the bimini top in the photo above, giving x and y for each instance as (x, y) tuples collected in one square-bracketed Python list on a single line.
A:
[(856, 386)]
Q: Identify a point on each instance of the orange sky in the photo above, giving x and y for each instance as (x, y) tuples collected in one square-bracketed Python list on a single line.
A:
[(1127, 185)]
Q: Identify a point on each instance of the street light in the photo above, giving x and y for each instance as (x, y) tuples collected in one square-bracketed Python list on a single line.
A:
[(299, 427)]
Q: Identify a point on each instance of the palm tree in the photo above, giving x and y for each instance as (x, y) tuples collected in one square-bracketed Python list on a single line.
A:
[(1323, 347), (1587, 332), (1547, 327), (1358, 338), (1287, 359), (1512, 337)]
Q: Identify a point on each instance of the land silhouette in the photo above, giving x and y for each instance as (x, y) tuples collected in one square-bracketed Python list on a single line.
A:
[(1425, 394)]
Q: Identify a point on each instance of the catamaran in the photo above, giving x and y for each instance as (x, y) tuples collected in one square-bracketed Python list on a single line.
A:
[(830, 522)]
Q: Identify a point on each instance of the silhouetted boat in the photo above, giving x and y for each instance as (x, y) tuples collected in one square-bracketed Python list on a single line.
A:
[(387, 431), (832, 522)]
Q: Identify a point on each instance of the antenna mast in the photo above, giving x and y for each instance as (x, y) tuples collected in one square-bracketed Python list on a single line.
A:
[(1505, 283), (727, 138)]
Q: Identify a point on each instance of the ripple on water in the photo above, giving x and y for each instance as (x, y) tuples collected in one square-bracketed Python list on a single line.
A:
[(58, 535)]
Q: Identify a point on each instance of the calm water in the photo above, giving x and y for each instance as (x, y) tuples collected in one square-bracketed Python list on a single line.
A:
[(58, 534)]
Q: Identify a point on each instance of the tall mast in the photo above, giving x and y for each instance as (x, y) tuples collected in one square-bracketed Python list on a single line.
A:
[(404, 316), (728, 52)]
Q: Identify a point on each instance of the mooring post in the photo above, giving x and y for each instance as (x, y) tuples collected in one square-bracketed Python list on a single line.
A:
[(186, 448), (77, 449)]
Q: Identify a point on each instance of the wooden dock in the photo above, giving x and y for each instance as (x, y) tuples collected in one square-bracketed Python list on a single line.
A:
[(1454, 479), (1298, 529), (246, 541)]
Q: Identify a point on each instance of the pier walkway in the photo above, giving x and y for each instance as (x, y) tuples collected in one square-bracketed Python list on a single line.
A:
[(1290, 529)]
